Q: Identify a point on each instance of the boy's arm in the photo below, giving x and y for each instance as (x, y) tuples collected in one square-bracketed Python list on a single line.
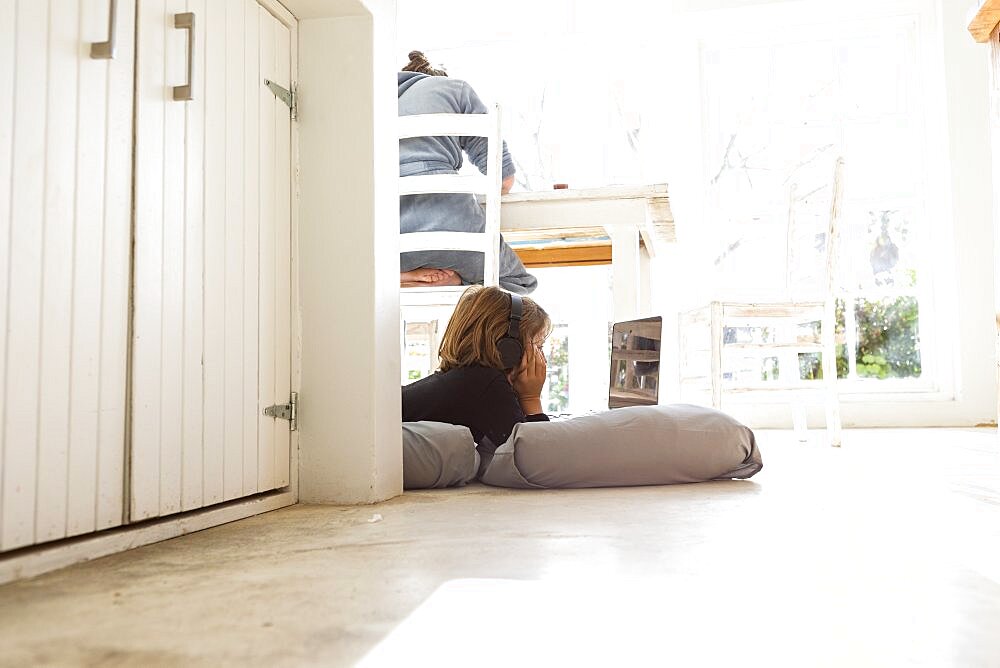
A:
[(475, 147)]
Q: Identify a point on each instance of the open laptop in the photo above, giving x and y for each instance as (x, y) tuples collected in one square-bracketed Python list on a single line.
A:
[(635, 364)]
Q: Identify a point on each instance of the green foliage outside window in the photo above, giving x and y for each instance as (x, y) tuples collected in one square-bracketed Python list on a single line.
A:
[(888, 338), (557, 372), (888, 341)]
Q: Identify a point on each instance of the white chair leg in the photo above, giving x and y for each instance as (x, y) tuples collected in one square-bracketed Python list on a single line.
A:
[(833, 418), (799, 423), (830, 371), (715, 323)]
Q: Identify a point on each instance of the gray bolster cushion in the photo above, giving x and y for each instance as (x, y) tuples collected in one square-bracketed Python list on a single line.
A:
[(436, 454), (640, 445)]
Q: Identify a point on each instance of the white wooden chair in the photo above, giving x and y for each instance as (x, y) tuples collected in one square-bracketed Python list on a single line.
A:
[(437, 303), (704, 348)]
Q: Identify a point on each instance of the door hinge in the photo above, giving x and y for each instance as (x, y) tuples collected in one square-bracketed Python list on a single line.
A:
[(287, 411), (289, 97)]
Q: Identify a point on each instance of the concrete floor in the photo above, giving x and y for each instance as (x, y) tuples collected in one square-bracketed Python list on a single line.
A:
[(885, 552)]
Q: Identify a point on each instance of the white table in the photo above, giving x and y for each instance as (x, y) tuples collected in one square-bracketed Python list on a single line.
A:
[(624, 213)]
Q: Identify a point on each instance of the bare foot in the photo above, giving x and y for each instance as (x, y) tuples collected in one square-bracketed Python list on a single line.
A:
[(423, 275), (428, 277)]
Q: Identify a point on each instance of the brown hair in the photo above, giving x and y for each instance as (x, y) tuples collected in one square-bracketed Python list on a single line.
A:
[(419, 63), (481, 318)]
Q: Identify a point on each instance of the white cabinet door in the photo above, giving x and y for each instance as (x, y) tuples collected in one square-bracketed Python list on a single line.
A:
[(211, 344), (65, 180)]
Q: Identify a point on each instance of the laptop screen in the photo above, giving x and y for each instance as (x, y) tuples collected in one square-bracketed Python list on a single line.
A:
[(635, 363)]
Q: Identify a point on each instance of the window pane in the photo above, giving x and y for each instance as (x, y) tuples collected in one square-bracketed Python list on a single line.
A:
[(888, 338), (879, 248), (556, 390), (578, 300)]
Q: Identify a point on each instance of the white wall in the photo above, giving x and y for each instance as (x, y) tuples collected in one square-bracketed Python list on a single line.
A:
[(966, 87), (995, 132), (349, 415)]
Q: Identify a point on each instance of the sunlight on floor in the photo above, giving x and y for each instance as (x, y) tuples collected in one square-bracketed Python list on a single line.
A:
[(680, 621)]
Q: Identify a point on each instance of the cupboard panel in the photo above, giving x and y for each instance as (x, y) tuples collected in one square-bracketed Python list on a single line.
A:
[(65, 123), (147, 330), (193, 478), (115, 181), (281, 232), (205, 299), (275, 266), (24, 262), (252, 85), (215, 243), (267, 203), (56, 294)]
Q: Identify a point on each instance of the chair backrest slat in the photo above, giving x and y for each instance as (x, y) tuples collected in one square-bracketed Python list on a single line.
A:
[(799, 233), (474, 184), (460, 241), (446, 125), (486, 242), (833, 229)]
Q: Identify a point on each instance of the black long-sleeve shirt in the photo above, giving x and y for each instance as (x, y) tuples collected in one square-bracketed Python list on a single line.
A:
[(476, 397)]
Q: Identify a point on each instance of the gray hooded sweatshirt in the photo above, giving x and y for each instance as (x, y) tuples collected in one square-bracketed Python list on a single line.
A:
[(423, 94)]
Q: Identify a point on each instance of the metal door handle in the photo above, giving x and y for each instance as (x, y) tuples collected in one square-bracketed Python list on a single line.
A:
[(106, 50), (185, 21)]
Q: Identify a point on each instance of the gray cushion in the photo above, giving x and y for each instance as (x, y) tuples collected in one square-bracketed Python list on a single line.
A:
[(436, 454), (641, 445)]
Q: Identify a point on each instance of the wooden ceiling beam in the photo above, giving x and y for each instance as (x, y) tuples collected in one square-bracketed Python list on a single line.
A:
[(565, 256), (985, 20)]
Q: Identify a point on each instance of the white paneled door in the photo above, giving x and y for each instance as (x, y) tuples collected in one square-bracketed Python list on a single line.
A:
[(66, 75), (212, 304)]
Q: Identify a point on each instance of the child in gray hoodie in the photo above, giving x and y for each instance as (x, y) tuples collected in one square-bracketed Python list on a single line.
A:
[(426, 90)]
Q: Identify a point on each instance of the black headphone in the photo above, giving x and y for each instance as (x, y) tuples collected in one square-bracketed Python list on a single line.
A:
[(510, 348)]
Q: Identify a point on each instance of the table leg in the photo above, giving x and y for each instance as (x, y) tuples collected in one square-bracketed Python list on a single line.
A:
[(625, 270), (645, 283)]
